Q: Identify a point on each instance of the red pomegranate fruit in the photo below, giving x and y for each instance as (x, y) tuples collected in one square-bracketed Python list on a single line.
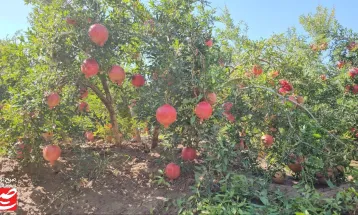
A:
[(83, 106), (209, 43), (227, 106), (90, 67), (83, 93), (203, 110), (355, 89), (229, 117), (98, 34), (89, 136), (353, 72), (172, 171), (166, 115), (256, 70), (138, 80), (188, 154), (117, 74), (53, 100), (211, 98), (51, 153), (323, 77), (267, 140)]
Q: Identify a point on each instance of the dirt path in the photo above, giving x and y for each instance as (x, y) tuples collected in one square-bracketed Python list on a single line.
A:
[(119, 181)]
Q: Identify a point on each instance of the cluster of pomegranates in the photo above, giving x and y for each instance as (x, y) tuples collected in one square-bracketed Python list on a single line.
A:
[(172, 170)]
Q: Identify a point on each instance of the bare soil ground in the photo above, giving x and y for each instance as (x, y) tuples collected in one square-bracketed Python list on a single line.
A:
[(100, 178), (118, 183)]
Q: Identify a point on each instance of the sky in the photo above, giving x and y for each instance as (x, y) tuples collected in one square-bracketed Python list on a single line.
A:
[(263, 17)]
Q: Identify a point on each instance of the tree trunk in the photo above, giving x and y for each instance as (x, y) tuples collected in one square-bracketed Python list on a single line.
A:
[(115, 130), (108, 102), (155, 137)]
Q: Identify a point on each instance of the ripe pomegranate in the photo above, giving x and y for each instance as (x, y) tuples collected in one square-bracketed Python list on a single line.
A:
[(355, 89), (211, 98), (279, 178), (90, 67), (71, 21), (295, 166), (340, 64), (285, 87), (51, 153), (172, 171), (166, 115), (353, 72), (323, 77), (203, 110), (117, 74), (89, 136), (227, 106), (83, 106), (188, 154), (229, 117), (84, 93), (138, 80), (267, 140), (53, 100), (98, 34), (282, 91), (256, 70), (209, 43), (274, 74)]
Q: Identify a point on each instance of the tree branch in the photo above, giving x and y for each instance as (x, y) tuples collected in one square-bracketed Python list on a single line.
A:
[(304, 108), (105, 88), (97, 92)]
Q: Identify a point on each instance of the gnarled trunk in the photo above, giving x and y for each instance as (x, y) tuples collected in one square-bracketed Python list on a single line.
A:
[(155, 137)]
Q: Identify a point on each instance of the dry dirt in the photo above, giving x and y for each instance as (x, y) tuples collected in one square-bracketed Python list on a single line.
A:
[(123, 185)]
